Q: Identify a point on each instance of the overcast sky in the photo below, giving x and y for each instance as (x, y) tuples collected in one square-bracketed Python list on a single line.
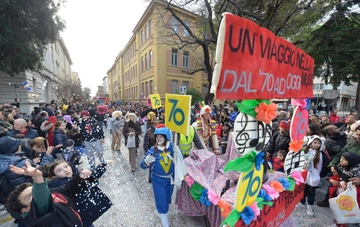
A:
[(96, 32)]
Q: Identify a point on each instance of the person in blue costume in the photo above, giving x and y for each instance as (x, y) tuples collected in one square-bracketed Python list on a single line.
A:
[(161, 157)]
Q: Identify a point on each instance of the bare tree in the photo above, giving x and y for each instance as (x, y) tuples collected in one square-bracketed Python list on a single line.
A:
[(291, 19)]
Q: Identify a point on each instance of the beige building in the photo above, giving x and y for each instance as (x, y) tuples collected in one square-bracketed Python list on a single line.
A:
[(152, 62), (75, 79)]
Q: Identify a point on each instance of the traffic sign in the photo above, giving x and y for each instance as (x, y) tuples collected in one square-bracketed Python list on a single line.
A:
[(182, 89), (177, 113)]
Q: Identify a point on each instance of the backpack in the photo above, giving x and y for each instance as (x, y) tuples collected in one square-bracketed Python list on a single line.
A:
[(5, 188)]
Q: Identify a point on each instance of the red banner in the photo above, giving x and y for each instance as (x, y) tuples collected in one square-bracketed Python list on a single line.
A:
[(279, 211), (252, 63), (299, 124), (102, 109)]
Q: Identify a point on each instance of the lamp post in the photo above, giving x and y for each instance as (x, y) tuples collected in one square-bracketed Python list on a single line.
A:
[(16, 89), (317, 98)]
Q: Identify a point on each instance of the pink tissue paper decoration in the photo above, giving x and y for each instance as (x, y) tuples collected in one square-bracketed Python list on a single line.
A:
[(271, 191), (256, 210), (297, 177), (189, 180), (213, 197), (299, 102)]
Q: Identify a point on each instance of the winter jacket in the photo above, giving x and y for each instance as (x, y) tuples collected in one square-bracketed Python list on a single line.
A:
[(352, 169), (9, 145), (60, 209), (233, 116), (91, 130), (90, 201), (334, 144), (278, 142), (31, 133), (38, 123), (127, 129), (48, 127), (353, 146), (6, 160), (59, 137), (334, 118), (6, 125)]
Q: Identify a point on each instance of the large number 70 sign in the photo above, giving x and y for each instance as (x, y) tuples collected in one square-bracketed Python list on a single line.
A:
[(177, 113)]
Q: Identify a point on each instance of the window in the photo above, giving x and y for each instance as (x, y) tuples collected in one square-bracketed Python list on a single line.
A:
[(174, 57), (186, 84), (146, 89), (150, 29), (142, 64), (145, 31), (142, 37), (174, 86), (174, 25), (146, 61), (150, 58), (151, 87), (204, 89), (142, 88), (186, 59), (186, 32)]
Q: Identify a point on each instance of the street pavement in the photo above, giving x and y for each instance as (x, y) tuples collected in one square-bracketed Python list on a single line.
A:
[(133, 200)]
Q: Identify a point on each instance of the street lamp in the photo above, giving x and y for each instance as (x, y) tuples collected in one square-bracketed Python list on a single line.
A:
[(16, 89), (317, 98)]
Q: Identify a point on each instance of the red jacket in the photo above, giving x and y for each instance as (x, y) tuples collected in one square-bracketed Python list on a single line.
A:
[(334, 118)]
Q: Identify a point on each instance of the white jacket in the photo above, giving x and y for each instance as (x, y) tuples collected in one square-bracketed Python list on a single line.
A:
[(313, 176)]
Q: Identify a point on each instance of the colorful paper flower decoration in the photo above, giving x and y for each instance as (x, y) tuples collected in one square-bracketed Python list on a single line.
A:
[(285, 183), (301, 102), (213, 197), (297, 177), (244, 163), (196, 191), (277, 186), (259, 160), (225, 208), (255, 209), (204, 198), (271, 191), (189, 180), (247, 215), (266, 112), (296, 145), (261, 109)]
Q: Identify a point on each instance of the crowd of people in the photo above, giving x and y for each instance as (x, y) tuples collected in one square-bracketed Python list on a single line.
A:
[(49, 143)]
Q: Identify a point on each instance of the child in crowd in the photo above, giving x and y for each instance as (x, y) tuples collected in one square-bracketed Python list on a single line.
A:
[(75, 135), (224, 140), (278, 161), (313, 164), (348, 167), (71, 155)]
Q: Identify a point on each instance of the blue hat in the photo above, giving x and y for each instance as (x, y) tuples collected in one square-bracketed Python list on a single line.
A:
[(162, 130)]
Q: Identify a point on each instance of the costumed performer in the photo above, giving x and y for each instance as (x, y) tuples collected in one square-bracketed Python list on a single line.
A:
[(206, 128), (161, 157)]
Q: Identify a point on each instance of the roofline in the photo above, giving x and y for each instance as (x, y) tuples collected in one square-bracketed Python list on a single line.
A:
[(63, 46)]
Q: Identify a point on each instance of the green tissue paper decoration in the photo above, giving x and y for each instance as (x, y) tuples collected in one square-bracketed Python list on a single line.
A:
[(292, 183), (231, 219), (196, 191), (261, 203), (243, 164), (248, 106)]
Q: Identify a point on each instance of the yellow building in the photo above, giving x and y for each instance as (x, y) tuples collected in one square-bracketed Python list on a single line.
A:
[(152, 61)]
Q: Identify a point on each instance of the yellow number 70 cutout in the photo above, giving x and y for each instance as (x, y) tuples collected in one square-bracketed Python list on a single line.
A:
[(177, 113)]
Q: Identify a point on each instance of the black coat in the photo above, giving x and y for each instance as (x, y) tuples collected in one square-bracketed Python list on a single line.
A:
[(90, 201), (334, 144), (278, 142)]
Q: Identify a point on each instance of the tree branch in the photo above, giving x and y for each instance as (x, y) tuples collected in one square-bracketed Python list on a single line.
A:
[(243, 12), (194, 71)]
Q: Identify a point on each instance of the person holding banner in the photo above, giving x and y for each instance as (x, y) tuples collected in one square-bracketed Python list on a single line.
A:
[(206, 129), (161, 157)]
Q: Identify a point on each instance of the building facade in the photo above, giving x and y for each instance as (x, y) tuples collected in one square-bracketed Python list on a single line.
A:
[(44, 84), (152, 61)]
